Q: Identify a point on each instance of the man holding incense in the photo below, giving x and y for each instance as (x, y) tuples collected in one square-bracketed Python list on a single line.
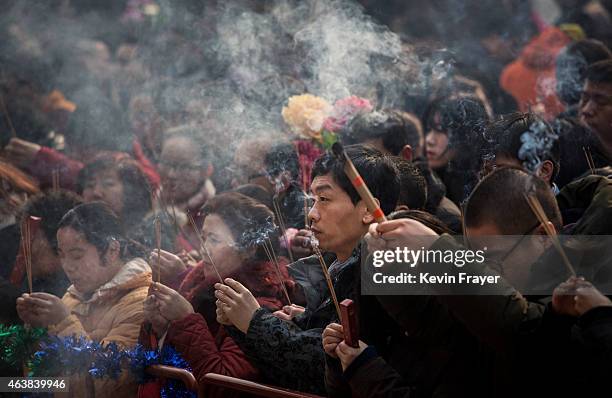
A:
[(528, 334), (291, 354)]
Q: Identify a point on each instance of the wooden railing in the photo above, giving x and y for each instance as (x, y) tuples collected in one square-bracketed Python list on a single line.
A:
[(227, 382)]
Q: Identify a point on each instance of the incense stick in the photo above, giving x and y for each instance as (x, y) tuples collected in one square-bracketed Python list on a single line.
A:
[(269, 249), (589, 159), (157, 224), (26, 242), (203, 246), (358, 183), (328, 279), (539, 212), (55, 179), (281, 224)]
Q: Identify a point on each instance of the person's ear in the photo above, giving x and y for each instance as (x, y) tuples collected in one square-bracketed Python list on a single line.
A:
[(402, 208), (545, 171), (407, 153), (367, 217), (113, 252)]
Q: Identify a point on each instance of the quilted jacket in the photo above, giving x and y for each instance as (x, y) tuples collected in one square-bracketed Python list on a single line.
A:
[(112, 314), (205, 344)]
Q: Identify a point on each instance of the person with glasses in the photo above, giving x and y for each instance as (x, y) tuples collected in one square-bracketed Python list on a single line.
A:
[(526, 333), (185, 169)]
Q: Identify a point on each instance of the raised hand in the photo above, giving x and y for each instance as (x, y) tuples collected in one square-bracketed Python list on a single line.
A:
[(404, 232), (237, 302), (41, 309), (289, 312), (333, 335), (171, 304), (171, 265)]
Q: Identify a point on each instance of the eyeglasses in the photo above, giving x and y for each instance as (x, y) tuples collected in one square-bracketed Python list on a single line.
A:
[(499, 263)]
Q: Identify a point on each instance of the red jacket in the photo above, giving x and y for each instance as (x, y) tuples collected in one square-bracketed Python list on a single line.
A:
[(531, 79), (205, 344)]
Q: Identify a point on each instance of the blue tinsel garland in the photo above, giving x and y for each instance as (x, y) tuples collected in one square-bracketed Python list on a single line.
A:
[(71, 355)]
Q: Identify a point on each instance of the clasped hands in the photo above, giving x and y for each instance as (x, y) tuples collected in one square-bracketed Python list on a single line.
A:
[(41, 309)]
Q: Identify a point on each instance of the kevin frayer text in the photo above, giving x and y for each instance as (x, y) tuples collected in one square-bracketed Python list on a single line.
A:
[(426, 278)]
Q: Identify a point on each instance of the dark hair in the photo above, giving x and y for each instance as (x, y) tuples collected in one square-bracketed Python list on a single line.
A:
[(572, 64), (499, 199), (413, 187), (461, 118), (136, 188), (423, 217), (256, 192), (504, 137), (50, 207), (378, 172), (100, 226), (436, 190), (249, 220), (280, 158), (395, 128), (600, 72)]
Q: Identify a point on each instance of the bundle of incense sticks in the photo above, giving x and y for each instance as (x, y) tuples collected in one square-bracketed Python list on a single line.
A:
[(269, 249), (358, 183), (157, 224), (330, 285), (26, 241), (281, 224), (589, 158), (537, 209), (203, 246)]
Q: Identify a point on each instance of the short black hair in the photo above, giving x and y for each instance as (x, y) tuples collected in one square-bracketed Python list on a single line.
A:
[(505, 137), (413, 187), (499, 199), (50, 207), (394, 128), (100, 226), (280, 158), (572, 64), (378, 172), (600, 72)]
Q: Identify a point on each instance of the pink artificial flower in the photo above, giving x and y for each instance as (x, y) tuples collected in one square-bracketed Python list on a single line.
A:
[(344, 110)]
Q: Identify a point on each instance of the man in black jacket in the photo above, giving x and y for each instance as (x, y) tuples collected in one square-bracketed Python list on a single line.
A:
[(291, 354)]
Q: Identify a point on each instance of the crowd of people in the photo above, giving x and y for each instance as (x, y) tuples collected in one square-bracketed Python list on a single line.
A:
[(144, 201)]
